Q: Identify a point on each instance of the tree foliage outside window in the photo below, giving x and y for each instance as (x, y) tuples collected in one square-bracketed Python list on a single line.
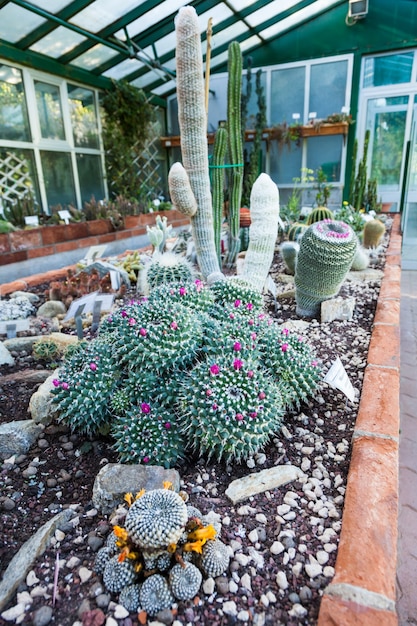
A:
[(127, 124)]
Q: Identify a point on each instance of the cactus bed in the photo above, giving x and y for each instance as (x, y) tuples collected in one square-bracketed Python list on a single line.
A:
[(318, 431)]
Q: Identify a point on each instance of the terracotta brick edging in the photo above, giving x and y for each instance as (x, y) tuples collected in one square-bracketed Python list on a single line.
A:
[(363, 590)]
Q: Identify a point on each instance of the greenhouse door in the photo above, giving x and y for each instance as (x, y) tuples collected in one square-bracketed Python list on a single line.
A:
[(386, 118)]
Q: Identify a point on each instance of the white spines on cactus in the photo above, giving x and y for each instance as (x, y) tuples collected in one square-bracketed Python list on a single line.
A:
[(182, 196), (263, 231), (192, 119)]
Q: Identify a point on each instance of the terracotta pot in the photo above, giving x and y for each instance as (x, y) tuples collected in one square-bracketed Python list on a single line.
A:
[(244, 219)]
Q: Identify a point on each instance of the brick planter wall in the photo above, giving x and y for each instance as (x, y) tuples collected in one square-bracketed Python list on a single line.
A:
[(23, 245)]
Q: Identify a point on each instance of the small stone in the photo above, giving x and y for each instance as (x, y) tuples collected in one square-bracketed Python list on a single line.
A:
[(96, 590), (313, 569), (276, 548), (13, 613), (264, 600), (230, 608), (42, 616), (297, 611), (103, 600), (242, 559), (253, 536), (59, 535), (328, 571), (120, 612), (208, 586), (222, 585), (73, 562), (282, 581), (305, 594), (31, 579), (8, 504), (322, 557), (84, 574), (233, 587), (261, 518), (246, 582), (51, 482), (95, 543), (110, 621), (243, 616)]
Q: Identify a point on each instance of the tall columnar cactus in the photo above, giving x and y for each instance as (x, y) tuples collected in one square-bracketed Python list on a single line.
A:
[(234, 127), (218, 178), (263, 231), (326, 253), (193, 129)]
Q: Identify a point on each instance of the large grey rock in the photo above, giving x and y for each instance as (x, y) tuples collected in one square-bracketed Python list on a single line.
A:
[(51, 308), (5, 356), (17, 437), (32, 297), (19, 344), (337, 309), (23, 561), (114, 480), (370, 274), (41, 407), (267, 479)]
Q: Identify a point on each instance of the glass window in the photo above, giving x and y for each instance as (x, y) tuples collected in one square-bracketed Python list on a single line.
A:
[(14, 123), (90, 176), (83, 116), (285, 164), (326, 153), (58, 177), (328, 88), (18, 175), (287, 94), (49, 110), (389, 69)]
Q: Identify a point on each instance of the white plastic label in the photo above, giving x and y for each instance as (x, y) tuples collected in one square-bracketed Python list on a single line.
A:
[(337, 378)]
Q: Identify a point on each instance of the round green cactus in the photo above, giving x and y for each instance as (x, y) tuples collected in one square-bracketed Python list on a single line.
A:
[(296, 231), (326, 253), (148, 435), (167, 268), (215, 558), (289, 252), (185, 581), (318, 214), (239, 294), (193, 295), (229, 408), (129, 598), (118, 574), (155, 595)]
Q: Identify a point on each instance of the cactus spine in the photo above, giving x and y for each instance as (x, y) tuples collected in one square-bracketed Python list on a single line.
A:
[(219, 155), (234, 90), (193, 129), (263, 231)]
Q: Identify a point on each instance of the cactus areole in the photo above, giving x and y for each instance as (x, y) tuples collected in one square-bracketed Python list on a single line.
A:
[(192, 119)]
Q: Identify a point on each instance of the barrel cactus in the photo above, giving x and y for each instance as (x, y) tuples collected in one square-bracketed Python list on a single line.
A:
[(296, 231), (373, 232), (215, 558), (118, 574), (157, 519), (129, 598), (155, 595), (185, 581), (326, 253), (166, 268), (319, 214), (194, 295)]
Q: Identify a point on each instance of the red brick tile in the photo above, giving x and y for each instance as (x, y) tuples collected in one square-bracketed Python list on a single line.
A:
[(132, 221), (379, 407), (53, 234), (384, 347), (24, 239), (16, 285), (13, 257), (99, 227), (337, 612), (36, 253), (387, 311), (4, 244), (107, 238), (367, 550)]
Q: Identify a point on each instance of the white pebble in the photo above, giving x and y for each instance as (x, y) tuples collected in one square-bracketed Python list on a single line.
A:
[(72, 562), (290, 516), (253, 536), (322, 557), (110, 621), (313, 569), (120, 612), (209, 586), (296, 569), (277, 548), (233, 587), (40, 592), (246, 510), (229, 607), (59, 535), (250, 463), (13, 613), (243, 616), (264, 600), (282, 509), (271, 597), (330, 547), (242, 559), (226, 521), (305, 464), (31, 579), (261, 518), (84, 574), (91, 513), (297, 610), (328, 571), (282, 581), (246, 582)]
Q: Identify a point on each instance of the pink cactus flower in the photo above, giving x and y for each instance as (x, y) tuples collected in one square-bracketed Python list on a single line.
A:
[(237, 346), (93, 366), (214, 369), (145, 407), (143, 332), (239, 417), (237, 364)]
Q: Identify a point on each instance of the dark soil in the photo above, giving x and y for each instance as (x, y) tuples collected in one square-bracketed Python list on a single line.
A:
[(67, 464)]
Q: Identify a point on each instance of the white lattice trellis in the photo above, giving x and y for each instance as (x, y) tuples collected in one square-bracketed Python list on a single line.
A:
[(15, 179)]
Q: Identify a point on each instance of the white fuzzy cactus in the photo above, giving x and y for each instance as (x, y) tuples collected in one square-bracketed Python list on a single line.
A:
[(193, 129), (182, 196), (263, 231)]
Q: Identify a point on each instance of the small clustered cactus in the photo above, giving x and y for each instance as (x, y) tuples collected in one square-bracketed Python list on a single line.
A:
[(160, 554), (15, 308)]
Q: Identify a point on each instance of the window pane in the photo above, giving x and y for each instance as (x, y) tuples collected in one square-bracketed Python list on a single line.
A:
[(388, 70), (14, 123), (59, 181), (285, 164), (83, 116), (49, 110), (287, 94), (325, 153), (328, 88), (90, 176)]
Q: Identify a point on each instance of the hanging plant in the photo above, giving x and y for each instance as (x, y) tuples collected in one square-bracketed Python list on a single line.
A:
[(128, 117)]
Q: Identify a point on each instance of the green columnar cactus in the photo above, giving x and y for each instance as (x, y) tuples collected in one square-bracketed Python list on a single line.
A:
[(289, 252), (319, 214), (218, 178), (326, 253), (372, 233), (263, 231), (234, 93), (193, 130)]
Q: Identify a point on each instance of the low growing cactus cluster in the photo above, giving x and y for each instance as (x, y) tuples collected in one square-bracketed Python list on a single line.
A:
[(190, 367), (161, 553)]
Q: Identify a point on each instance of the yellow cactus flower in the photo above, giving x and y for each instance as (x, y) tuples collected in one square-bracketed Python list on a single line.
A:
[(167, 484), (128, 498), (121, 533), (195, 546), (207, 532), (139, 494)]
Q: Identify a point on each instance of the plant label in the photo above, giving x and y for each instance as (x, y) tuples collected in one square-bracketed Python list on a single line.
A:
[(65, 215), (337, 378), (11, 327), (32, 220), (95, 252)]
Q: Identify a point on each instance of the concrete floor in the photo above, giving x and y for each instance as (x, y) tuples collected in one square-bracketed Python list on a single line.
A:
[(407, 522)]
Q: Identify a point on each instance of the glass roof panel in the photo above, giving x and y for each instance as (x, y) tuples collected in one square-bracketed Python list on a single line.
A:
[(58, 42), (239, 5), (123, 69), (297, 17), (219, 13), (230, 33), (101, 13), (53, 6), (152, 17), (16, 22), (165, 44), (268, 11), (165, 88), (96, 56)]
